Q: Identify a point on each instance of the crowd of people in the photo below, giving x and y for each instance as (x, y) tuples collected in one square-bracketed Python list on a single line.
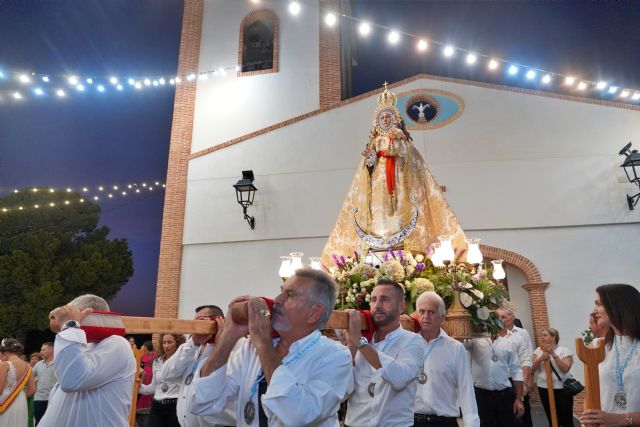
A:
[(280, 369)]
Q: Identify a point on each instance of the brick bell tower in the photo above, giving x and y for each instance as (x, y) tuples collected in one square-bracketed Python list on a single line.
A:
[(270, 65)]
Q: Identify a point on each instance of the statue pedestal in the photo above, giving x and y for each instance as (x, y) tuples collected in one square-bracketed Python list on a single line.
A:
[(457, 323)]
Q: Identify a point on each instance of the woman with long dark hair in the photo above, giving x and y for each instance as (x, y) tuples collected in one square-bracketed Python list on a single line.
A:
[(617, 310)]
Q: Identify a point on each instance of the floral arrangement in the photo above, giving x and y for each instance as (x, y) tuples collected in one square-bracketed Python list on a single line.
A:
[(479, 295)]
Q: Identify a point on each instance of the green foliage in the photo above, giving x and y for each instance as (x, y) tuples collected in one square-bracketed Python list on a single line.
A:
[(50, 255)]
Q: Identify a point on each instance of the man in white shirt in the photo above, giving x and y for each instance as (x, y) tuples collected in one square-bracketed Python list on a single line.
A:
[(493, 361), (305, 375), (186, 364), (446, 378), (520, 337), (386, 369), (95, 380), (45, 376)]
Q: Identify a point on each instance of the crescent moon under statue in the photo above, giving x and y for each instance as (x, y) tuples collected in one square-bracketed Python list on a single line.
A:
[(385, 242)]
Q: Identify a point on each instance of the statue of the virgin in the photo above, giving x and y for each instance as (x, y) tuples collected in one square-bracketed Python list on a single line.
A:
[(394, 201)]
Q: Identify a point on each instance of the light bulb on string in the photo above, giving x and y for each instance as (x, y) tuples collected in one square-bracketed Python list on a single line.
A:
[(493, 64), (471, 59), (330, 19), (422, 45), (364, 29), (531, 75), (546, 79), (393, 37), (513, 70), (569, 80), (294, 8), (601, 85), (448, 51)]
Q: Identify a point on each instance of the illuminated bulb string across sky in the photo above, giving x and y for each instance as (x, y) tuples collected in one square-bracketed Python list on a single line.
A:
[(18, 86)]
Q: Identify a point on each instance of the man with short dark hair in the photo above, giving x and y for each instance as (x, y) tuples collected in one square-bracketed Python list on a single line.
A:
[(45, 377), (297, 379), (95, 379), (386, 369), (186, 363)]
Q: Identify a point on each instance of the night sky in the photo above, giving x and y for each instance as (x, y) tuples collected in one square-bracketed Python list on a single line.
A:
[(93, 139)]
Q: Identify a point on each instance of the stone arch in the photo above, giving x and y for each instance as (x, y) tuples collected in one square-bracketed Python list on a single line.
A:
[(267, 16), (534, 285)]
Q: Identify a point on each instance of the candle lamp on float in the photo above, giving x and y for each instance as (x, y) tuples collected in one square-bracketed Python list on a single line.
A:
[(292, 262), (458, 318)]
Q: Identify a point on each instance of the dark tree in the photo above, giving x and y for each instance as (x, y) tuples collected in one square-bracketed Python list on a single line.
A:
[(52, 253)]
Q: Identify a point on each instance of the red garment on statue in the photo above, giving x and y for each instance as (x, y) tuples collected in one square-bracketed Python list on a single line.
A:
[(144, 401)]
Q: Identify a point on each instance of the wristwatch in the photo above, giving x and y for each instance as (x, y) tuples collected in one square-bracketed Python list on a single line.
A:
[(69, 324), (363, 341)]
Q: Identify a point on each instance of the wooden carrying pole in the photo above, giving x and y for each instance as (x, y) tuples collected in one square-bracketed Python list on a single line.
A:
[(148, 325), (591, 357), (551, 394)]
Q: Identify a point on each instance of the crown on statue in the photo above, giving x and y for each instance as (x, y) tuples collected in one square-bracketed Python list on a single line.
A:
[(386, 99)]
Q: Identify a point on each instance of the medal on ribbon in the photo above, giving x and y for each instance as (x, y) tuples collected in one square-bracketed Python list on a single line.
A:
[(422, 379), (621, 399), (371, 389), (249, 412), (189, 379), (164, 388)]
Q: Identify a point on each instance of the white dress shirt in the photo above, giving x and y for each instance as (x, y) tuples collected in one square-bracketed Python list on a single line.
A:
[(401, 354), (160, 386), (187, 361), (449, 382), (630, 376), (307, 391), (541, 373), (490, 375), (522, 339), (95, 382)]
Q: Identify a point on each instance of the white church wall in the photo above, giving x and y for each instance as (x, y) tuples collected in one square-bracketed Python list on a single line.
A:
[(531, 174), (230, 106)]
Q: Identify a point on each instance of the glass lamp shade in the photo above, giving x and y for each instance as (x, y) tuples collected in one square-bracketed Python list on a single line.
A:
[(296, 261), (436, 256), (446, 250), (315, 263), (474, 256), (285, 270), (498, 271)]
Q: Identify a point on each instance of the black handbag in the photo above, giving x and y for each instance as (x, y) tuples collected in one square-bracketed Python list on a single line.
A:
[(571, 386)]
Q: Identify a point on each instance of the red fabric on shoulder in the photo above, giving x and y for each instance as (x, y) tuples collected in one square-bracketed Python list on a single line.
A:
[(371, 328), (416, 324)]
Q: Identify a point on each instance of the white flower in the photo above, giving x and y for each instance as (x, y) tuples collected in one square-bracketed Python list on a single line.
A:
[(409, 270), (477, 293), (483, 313), (419, 258), (367, 298), (465, 299), (413, 262), (466, 285), (355, 286)]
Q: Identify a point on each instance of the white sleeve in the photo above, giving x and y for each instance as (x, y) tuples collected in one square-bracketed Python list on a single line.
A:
[(212, 394), (79, 368), (466, 393), (181, 361), (296, 402), (403, 369)]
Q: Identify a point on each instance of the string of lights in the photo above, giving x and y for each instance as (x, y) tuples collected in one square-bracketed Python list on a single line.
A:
[(93, 194), (36, 84), (21, 85), (546, 78)]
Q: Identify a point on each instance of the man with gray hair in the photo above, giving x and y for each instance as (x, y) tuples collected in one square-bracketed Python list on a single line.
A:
[(95, 379), (445, 380), (297, 379)]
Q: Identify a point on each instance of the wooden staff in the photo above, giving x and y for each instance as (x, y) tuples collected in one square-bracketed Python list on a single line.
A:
[(147, 325), (136, 385), (591, 357), (551, 394)]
